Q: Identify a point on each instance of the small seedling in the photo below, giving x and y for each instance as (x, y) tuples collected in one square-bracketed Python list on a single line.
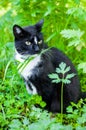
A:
[(62, 69)]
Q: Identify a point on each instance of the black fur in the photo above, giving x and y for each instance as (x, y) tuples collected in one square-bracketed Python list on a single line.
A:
[(51, 92)]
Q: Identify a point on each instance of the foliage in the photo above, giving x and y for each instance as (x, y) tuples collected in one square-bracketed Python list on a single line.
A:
[(65, 24), (82, 66), (74, 36), (77, 113)]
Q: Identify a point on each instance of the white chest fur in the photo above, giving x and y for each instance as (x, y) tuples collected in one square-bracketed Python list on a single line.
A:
[(19, 57), (27, 70)]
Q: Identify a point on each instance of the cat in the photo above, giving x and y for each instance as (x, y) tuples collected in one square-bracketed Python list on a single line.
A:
[(37, 81), (28, 40)]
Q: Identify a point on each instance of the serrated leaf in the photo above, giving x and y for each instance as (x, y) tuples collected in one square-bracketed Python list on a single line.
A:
[(66, 81), (69, 109), (78, 12), (82, 120), (56, 81), (25, 121), (67, 69), (71, 33), (62, 69), (69, 76), (58, 70), (82, 66), (62, 66), (35, 126), (15, 124), (53, 76), (75, 42)]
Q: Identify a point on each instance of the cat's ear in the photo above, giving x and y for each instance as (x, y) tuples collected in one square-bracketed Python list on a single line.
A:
[(18, 31), (39, 25)]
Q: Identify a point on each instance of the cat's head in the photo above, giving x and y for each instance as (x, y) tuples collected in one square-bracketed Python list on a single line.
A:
[(28, 40)]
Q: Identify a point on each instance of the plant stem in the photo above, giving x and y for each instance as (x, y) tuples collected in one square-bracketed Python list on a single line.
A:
[(3, 112), (62, 101)]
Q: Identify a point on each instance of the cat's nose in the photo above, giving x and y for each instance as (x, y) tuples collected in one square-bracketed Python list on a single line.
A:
[(36, 48)]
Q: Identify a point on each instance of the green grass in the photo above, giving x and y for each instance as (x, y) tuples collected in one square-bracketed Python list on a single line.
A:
[(61, 19)]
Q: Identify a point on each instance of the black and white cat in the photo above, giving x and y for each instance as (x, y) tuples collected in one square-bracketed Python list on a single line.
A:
[(28, 40), (37, 71)]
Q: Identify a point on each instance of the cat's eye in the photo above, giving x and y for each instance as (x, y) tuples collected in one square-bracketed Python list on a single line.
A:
[(28, 43), (40, 42)]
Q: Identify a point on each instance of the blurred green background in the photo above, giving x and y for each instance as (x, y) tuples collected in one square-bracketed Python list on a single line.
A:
[(64, 27)]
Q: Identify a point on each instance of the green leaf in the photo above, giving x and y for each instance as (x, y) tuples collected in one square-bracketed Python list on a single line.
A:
[(53, 76), (56, 81), (35, 126), (25, 121), (77, 12), (45, 50), (62, 69), (42, 104), (75, 42), (67, 69), (69, 76), (71, 33), (51, 36), (62, 66), (15, 124), (58, 70), (82, 120), (69, 109), (66, 81), (82, 66)]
